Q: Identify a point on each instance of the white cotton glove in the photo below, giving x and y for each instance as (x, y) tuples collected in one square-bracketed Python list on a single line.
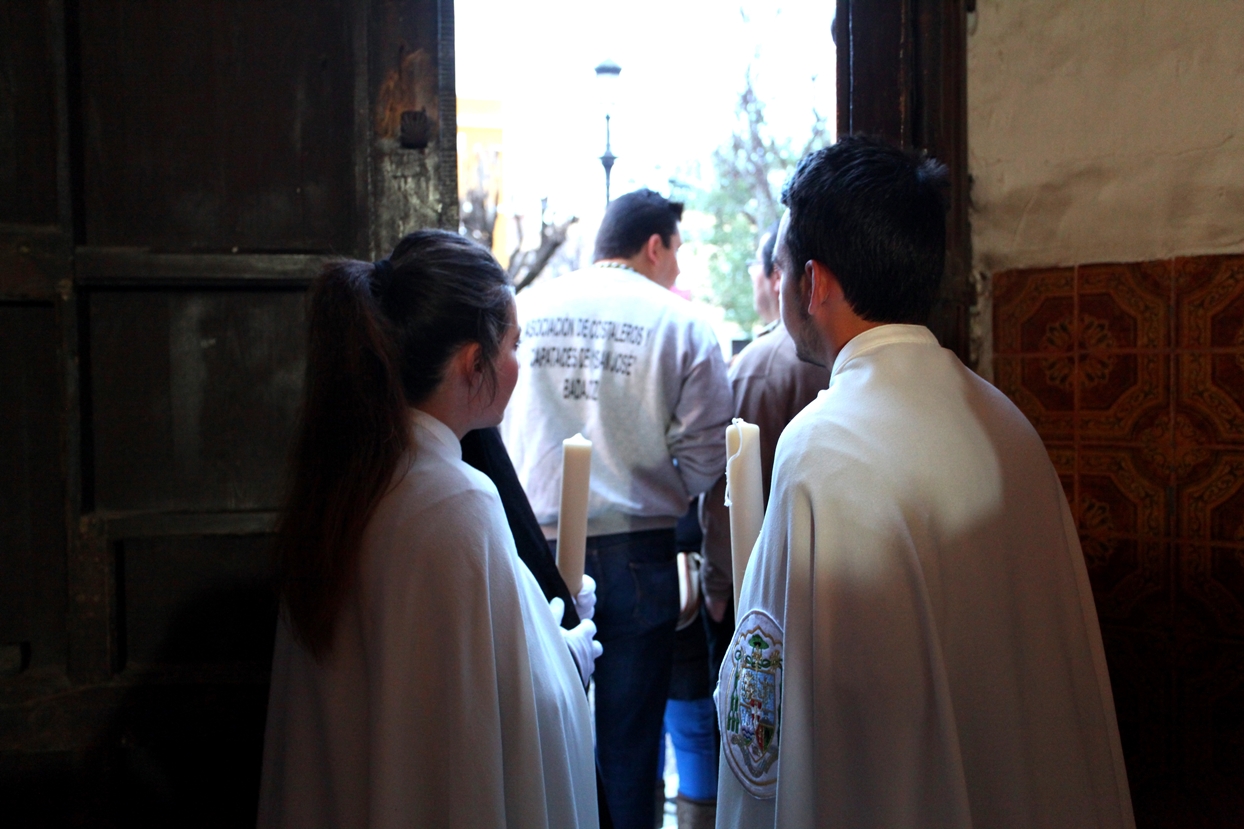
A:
[(581, 641), (585, 602)]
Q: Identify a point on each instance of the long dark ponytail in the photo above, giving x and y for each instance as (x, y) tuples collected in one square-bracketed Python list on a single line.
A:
[(380, 336)]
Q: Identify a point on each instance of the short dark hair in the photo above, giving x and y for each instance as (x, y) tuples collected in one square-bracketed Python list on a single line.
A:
[(766, 250), (875, 215), (631, 220)]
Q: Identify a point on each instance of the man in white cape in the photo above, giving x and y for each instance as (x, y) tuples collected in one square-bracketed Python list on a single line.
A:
[(917, 643)]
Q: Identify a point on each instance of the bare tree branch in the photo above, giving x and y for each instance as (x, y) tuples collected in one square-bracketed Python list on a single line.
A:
[(478, 216), (478, 209), (529, 264)]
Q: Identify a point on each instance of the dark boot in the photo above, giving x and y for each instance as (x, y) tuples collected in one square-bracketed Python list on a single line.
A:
[(696, 814)]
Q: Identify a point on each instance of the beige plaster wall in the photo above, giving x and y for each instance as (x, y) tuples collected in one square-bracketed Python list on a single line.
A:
[(1105, 130)]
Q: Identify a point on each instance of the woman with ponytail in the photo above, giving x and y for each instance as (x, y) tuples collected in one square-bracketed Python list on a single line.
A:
[(419, 677)]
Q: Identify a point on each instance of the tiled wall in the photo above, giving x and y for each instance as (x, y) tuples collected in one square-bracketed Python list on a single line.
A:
[(1134, 376)]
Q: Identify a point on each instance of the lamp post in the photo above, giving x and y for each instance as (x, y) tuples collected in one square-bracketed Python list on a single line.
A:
[(607, 74)]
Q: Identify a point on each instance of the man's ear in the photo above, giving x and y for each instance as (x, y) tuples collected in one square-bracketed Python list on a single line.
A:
[(823, 285), (653, 247), (774, 281)]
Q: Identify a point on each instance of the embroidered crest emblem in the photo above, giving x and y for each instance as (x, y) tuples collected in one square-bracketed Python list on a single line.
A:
[(751, 720)]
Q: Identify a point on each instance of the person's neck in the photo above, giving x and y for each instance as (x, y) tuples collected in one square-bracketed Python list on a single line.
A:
[(450, 404), (446, 416), (635, 263), (842, 331)]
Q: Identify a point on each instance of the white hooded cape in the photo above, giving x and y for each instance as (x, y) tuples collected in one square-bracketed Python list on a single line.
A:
[(940, 658), (449, 697)]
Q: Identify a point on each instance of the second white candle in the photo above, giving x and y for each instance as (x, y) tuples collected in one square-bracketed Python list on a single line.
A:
[(572, 513), (744, 494)]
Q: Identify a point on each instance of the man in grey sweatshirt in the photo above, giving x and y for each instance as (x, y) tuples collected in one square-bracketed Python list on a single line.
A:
[(612, 353)]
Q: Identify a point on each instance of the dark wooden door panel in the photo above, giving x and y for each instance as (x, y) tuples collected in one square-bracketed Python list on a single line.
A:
[(210, 126), (194, 397), (28, 133), (902, 74), (173, 173), (32, 499), (199, 600)]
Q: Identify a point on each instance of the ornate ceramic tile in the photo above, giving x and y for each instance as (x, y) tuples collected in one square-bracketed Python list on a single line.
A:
[(1121, 394), (1210, 388), (1209, 302), (1034, 311), (1141, 405), (1119, 494), (1044, 393), (1131, 580), (1210, 718), (1063, 456), (1210, 497), (1142, 680), (1210, 591), (1124, 306)]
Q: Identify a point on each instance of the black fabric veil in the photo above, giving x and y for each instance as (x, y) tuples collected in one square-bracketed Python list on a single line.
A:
[(484, 450)]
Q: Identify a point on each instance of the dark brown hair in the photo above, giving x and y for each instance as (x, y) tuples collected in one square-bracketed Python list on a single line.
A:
[(379, 338), (631, 220)]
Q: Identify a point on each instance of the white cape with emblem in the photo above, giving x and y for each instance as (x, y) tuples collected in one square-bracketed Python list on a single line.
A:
[(941, 663), (449, 697)]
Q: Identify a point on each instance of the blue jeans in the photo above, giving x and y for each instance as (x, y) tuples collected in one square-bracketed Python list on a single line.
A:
[(692, 726), (636, 611)]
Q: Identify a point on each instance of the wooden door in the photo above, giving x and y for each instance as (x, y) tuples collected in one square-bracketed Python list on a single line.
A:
[(902, 74), (171, 177)]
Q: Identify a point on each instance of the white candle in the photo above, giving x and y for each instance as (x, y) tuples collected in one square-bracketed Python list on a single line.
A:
[(572, 514), (744, 495)]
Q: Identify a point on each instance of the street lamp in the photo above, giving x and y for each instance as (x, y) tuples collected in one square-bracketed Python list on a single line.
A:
[(607, 79)]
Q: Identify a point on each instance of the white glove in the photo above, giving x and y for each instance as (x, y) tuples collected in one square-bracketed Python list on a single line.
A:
[(585, 602), (583, 646)]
